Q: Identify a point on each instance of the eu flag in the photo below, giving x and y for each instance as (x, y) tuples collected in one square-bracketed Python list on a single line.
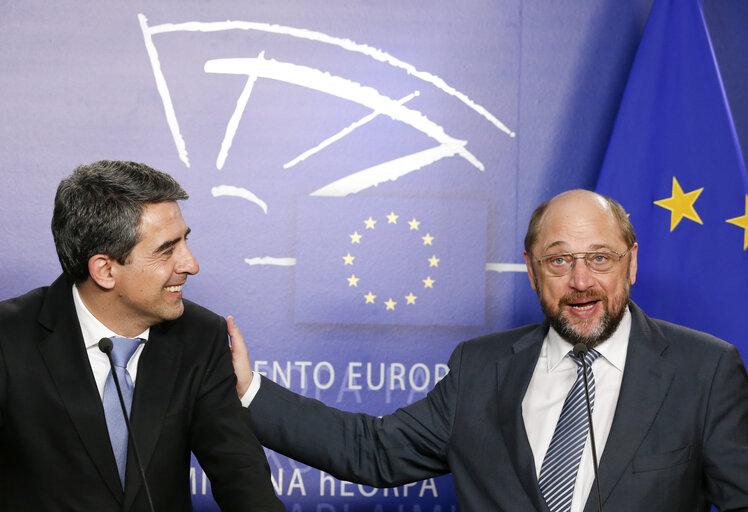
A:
[(675, 164), (372, 260)]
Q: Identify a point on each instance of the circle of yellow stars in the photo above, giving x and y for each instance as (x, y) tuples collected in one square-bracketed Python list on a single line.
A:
[(349, 259), (681, 205)]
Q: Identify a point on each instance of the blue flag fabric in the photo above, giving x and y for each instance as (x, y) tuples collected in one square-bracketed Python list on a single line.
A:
[(371, 260), (675, 164)]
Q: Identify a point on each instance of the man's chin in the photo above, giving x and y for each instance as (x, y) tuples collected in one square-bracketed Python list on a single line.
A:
[(588, 341), (173, 312), (588, 335)]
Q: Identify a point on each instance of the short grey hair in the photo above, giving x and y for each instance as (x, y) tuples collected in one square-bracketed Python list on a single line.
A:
[(98, 208)]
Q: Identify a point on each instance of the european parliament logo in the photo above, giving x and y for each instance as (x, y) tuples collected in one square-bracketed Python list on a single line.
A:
[(390, 261)]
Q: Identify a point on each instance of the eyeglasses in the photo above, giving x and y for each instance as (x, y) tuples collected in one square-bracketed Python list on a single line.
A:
[(599, 262)]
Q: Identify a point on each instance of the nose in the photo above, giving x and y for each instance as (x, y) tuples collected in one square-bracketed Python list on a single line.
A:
[(186, 264), (581, 277)]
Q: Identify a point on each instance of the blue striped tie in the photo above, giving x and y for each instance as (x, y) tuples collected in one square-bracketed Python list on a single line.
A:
[(559, 470), (122, 351)]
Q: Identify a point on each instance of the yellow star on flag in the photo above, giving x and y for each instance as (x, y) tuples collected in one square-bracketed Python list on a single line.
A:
[(428, 282), (742, 222), (355, 238), (414, 224), (427, 239), (411, 298), (392, 218), (390, 304), (433, 261), (348, 259), (370, 223), (370, 298), (353, 280), (681, 205)]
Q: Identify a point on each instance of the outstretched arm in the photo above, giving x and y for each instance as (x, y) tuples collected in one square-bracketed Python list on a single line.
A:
[(409, 445)]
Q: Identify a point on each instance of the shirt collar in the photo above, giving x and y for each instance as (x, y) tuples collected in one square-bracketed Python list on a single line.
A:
[(93, 330), (613, 349)]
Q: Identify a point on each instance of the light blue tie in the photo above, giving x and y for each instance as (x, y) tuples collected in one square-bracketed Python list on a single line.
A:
[(559, 470), (122, 351)]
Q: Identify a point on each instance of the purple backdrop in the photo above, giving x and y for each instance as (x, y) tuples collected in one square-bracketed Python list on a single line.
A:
[(284, 119)]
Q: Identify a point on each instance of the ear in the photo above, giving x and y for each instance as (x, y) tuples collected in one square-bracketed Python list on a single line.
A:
[(100, 268), (633, 264), (530, 270)]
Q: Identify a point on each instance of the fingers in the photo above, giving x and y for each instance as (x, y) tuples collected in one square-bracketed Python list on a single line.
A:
[(234, 332), (239, 357)]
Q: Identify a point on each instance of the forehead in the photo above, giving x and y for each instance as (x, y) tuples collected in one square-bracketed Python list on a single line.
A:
[(161, 221), (579, 222)]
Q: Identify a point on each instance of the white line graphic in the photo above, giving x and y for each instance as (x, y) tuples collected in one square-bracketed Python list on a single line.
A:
[(241, 104), (321, 37), (342, 133), (229, 190), (289, 262), (506, 267), (269, 260), (387, 171), (342, 88), (346, 89), (163, 91)]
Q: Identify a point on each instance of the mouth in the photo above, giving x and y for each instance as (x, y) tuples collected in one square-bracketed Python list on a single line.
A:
[(582, 306), (174, 289)]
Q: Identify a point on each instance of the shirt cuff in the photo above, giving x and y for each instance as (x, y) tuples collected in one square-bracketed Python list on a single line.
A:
[(254, 387)]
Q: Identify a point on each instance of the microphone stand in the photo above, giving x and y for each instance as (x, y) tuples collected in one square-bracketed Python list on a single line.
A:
[(581, 349), (105, 345)]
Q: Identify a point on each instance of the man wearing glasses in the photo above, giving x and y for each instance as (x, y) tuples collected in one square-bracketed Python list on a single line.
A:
[(669, 404)]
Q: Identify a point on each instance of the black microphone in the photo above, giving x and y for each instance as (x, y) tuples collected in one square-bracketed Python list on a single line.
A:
[(106, 345), (580, 350)]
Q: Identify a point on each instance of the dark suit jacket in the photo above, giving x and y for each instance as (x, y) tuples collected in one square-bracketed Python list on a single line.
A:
[(679, 438), (55, 452)]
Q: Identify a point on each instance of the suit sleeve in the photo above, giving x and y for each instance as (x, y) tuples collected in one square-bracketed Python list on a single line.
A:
[(409, 445), (227, 450), (726, 435), (3, 377)]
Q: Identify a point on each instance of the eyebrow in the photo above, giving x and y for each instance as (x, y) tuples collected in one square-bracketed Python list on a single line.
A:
[(594, 247), (171, 243)]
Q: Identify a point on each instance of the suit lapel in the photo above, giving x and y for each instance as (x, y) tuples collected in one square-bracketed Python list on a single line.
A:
[(157, 375), (646, 380), (65, 357), (514, 374)]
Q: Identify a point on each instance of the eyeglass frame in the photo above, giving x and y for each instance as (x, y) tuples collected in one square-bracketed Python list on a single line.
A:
[(575, 256)]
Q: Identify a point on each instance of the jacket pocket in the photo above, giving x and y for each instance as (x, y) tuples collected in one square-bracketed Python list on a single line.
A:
[(656, 461)]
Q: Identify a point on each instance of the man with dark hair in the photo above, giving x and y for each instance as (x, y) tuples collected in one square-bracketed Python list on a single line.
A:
[(122, 243), (670, 404)]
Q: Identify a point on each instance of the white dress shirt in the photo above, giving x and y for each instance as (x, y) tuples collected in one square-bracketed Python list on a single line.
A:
[(551, 381), (252, 390), (93, 330)]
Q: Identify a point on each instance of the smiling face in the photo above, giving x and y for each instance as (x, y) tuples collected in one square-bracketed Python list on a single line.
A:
[(148, 286), (582, 306)]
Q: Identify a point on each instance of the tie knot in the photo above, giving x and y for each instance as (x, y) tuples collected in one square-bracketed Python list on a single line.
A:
[(591, 355), (123, 349)]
